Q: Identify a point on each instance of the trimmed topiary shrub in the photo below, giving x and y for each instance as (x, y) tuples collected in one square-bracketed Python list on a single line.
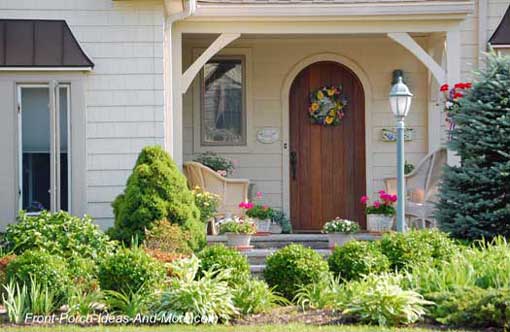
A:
[(474, 197), (156, 190), (405, 250), (357, 258), (58, 233), (47, 269), (129, 270), (292, 267), (220, 257)]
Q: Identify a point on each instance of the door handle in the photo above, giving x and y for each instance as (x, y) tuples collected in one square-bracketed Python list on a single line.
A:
[(293, 164)]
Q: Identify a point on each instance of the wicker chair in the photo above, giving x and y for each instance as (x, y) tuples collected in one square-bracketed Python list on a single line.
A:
[(231, 191), (422, 188)]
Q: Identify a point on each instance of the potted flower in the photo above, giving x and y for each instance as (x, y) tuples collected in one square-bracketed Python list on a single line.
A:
[(217, 163), (381, 213), (260, 213), (238, 232), (340, 231)]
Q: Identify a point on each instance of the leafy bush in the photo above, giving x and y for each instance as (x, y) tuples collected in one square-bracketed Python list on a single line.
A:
[(293, 266), (219, 257), (474, 196), (83, 272), (129, 270), (167, 237), (216, 162), (49, 271), (254, 296), (326, 293), (4, 261), (238, 227), (205, 299), (206, 202), (379, 299), (473, 307), (156, 190), (356, 259), (58, 233), (405, 250)]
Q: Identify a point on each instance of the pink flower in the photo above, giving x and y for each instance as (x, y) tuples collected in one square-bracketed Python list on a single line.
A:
[(364, 199), (242, 205), (377, 204), (259, 194), (393, 198), (249, 205), (221, 172), (265, 207)]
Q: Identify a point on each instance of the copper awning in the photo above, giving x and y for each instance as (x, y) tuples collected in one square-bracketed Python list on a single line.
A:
[(40, 44)]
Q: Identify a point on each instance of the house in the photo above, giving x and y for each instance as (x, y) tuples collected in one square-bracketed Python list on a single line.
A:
[(85, 84)]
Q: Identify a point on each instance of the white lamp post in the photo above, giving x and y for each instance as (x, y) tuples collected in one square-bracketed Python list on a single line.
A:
[(400, 102)]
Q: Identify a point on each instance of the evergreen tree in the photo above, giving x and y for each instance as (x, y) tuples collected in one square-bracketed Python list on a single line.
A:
[(475, 196), (155, 191)]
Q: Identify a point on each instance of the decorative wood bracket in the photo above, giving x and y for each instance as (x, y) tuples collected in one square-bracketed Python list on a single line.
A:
[(412, 46), (223, 40)]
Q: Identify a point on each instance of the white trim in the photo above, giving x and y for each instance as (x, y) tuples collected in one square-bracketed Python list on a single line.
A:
[(405, 40), (285, 92), (434, 110), (223, 40), (453, 72), (37, 69), (500, 46), (330, 10)]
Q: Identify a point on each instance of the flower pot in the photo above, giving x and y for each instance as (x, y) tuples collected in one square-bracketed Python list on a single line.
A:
[(379, 223), (263, 225), (275, 228), (238, 240), (339, 239)]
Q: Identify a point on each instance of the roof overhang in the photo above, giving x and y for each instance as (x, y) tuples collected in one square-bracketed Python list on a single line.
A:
[(334, 10), (501, 36)]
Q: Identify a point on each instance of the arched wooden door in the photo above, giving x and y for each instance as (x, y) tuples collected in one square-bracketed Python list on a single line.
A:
[(327, 164)]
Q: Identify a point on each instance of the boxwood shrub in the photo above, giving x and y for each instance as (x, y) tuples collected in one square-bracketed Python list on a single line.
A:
[(219, 257), (356, 259), (47, 269), (129, 270), (292, 267)]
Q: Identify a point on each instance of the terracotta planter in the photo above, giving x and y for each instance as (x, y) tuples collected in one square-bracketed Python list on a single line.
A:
[(379, 223), (263, 226), (339, 239), (238, 240)]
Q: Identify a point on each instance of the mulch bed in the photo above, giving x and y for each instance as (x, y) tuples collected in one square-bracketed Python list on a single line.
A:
[(287, 315)]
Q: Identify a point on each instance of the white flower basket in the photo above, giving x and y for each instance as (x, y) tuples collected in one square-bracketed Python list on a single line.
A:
[(263, 226), (238, 240), (339, 239), (379, 223)]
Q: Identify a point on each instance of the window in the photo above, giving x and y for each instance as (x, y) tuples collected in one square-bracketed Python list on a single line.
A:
[(44, 147), (223, 111)]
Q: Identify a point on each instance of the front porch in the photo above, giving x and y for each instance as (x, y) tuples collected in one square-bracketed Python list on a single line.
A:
[(272, 55)]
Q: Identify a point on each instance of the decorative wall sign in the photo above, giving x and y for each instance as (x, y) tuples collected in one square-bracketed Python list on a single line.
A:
[(390, 135), (327, 106), (268, 135)]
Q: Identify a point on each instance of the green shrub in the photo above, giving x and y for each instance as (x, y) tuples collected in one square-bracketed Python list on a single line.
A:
[(293, 266), (83, 272), (473, 307), (156, 190), (219, 257), (254, 296), (167, 237), (208, 297), (356, 259), (405, 250), (58, 233), (379, 299), (129, 270), (49, 271)]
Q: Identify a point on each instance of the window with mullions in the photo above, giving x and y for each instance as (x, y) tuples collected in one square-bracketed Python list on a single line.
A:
[(223, 111)]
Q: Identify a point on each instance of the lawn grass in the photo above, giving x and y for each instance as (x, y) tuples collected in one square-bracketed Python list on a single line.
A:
[(218, 328)]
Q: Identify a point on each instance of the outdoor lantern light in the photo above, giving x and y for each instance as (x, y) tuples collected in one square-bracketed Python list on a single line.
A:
[(400, 102)]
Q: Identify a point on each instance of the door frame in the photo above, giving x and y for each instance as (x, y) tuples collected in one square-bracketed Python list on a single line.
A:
[(285, 94)]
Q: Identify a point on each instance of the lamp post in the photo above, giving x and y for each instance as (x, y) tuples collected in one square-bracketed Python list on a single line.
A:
[(400, 102)]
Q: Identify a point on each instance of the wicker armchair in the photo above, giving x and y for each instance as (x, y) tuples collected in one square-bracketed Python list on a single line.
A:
[(422, 188), (231, 191)]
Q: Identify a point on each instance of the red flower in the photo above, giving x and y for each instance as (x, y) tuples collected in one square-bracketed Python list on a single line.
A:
[(457, 95), (459, 86), (468, 85), (443, 88)]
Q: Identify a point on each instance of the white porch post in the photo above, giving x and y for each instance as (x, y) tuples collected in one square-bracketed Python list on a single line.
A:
[(434, 123), (453, 49), (176, 102)]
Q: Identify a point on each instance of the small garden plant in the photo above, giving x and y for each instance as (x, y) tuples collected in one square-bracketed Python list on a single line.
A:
[(206, 202), (238, 227), (339, 225), (383, 206), (217, 163)]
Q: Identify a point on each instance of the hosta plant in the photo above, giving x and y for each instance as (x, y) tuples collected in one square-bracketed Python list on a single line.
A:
[(254, 296), (339, 225), (327, 293), (379, 299)]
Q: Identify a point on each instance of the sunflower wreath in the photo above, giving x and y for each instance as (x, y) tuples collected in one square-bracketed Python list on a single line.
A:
[(327, 106)]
